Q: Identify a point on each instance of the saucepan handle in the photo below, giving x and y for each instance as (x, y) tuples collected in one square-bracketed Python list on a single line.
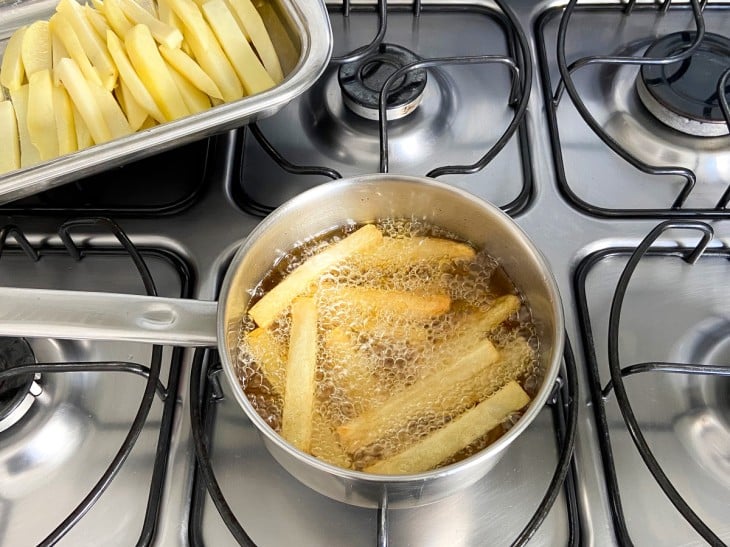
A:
[(107, 316)]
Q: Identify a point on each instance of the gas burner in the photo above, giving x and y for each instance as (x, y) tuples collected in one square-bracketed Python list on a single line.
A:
[(17, 393), (362, 81), (683, 95)]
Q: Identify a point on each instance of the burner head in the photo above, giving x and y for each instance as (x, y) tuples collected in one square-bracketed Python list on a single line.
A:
[(14, 390), (683, 95), (361, 83)]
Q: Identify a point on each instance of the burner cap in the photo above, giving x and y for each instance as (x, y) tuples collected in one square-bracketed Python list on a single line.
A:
[(361, 83), (683, 95), (13, 390)]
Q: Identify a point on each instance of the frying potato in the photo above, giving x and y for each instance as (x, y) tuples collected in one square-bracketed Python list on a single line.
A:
[(41, 117), (444, 391), (296, 417), (10, 152), (456, 435), (266, 310), (12, 72)]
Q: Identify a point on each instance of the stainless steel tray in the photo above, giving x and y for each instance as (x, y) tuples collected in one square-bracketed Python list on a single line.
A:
[(306, 24)]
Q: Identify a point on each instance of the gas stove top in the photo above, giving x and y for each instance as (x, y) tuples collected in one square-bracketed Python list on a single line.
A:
[(130, 443)]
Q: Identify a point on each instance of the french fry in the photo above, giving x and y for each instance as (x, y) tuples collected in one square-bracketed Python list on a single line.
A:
[(194, 99), (207, 50), (12, 73), (445, 390), (325, 444), (266, 310), (41, 116), (250, 71), (29, 154), (162, 32), (186, 66), (10, 150), (298, 407), (410, 250), (270, 356), (368, 301), (93, 45), (36, 48), (84, 100), (153, 72), (456, 435), (61, 28), (253, 26), (354, 373), (131, 79), (65, 125)]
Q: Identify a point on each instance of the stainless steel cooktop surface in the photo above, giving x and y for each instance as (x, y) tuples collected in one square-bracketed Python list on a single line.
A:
[(587, 200)]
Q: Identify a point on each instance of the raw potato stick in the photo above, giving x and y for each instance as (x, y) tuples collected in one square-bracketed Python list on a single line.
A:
[(162, 32), (61, 28), (41, 116), (29, 154), (36, 48), (83, 98), (65, 125), (250, 21), (10, 150), (442, 391), (249, 69), (181, 61), (457, 435), (298, 407), (12, 72), (266, 310)]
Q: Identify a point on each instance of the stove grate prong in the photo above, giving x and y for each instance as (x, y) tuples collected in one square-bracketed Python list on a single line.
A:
[(362, 52), (21, 240)]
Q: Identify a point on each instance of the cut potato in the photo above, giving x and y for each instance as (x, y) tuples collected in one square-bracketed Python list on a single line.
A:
[(131, 79), (12, 73), (41, 116), (136, 115), (115, 119), (36, 48), (10, 150), (194, 99), (93, 45), (84, 100), (97, 20), (456, 435), (266, 310), (58, 52), (152, 70), (162, 32), (29, 154), (287, 52), (65, 125), (61, 28), (207, 50), (298, 407), (249, 69), (116, 18), (186, 66), (250, 21), (83, 136)]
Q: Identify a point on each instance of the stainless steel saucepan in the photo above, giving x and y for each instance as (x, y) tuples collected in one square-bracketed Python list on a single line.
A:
[(64, 314)]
